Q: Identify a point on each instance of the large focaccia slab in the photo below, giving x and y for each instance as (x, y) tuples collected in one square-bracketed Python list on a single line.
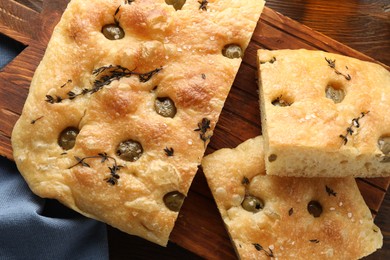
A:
[(272, 217), (324, 114), (124, 102)]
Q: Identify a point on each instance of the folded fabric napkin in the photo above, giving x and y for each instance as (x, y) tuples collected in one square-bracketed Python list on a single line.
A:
[(35, 228)]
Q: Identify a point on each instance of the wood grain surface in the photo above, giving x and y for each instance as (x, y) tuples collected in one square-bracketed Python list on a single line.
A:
[(199, 232)]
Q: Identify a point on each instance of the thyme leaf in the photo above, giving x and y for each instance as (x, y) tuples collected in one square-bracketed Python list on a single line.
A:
[(203, 5), (203, 126), (316, 241), (148, 75), (245, 181), (330, 191), (50, 99), (169, 151), (291, 211), (68, 82), (36, 119), (269, 253)]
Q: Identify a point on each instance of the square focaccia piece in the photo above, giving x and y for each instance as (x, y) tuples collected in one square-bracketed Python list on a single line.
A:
[(124, 102), (324, 114), (272, 217)]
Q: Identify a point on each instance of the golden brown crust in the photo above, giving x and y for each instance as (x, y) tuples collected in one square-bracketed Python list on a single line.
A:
[(179, 55), (312, 134), (284, 228)]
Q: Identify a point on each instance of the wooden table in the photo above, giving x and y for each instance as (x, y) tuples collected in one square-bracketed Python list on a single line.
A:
[(363, 25)]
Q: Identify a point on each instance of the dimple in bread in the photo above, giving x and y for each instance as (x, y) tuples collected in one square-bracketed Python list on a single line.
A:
[(324, 114), (287, 217), (124, 102)]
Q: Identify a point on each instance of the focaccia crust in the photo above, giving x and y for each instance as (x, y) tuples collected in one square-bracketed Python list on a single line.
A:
[(107, 90), (284, 228), (324, 114)]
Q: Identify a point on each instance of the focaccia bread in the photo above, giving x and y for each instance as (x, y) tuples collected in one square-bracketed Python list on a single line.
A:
[(124, 102), (287, 217), (324, 114)]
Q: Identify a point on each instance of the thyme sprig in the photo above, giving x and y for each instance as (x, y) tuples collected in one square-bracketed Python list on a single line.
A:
[(258, 247), (36, 119), (203, 126), (105, 76), (116, 72), (354, 124), (332, 64), (203, 5), (245, 181), (113, 178)]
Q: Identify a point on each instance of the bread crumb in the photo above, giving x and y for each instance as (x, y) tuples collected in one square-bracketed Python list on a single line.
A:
[(340, 204), (331, 208), (349, 215)]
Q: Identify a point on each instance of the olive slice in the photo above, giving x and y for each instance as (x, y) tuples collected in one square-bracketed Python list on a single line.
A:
[(113, 32), (177, 4), (314, 208), (67, 138), (232, 51), (165, 107), (272, 157), (337, 95), (129, 150), (252, 204), (173, 200), (384, 144)]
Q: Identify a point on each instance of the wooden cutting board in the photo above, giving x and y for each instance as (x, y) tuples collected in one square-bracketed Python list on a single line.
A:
[(199, 227)]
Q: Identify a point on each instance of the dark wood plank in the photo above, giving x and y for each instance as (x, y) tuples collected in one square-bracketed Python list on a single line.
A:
[(361, 25)]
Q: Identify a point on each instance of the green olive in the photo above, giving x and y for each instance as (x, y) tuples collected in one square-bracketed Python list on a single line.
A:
[(272, 157), (165, 107), (173, 200), (252, 204), (337, 95), (232, 51), (384, 144), (129, 150), (314, 208), (113, 32), (177, 4), (67, 138)]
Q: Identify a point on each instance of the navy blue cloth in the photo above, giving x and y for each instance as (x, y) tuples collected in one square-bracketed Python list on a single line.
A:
[(8, 50), (36, 228)]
